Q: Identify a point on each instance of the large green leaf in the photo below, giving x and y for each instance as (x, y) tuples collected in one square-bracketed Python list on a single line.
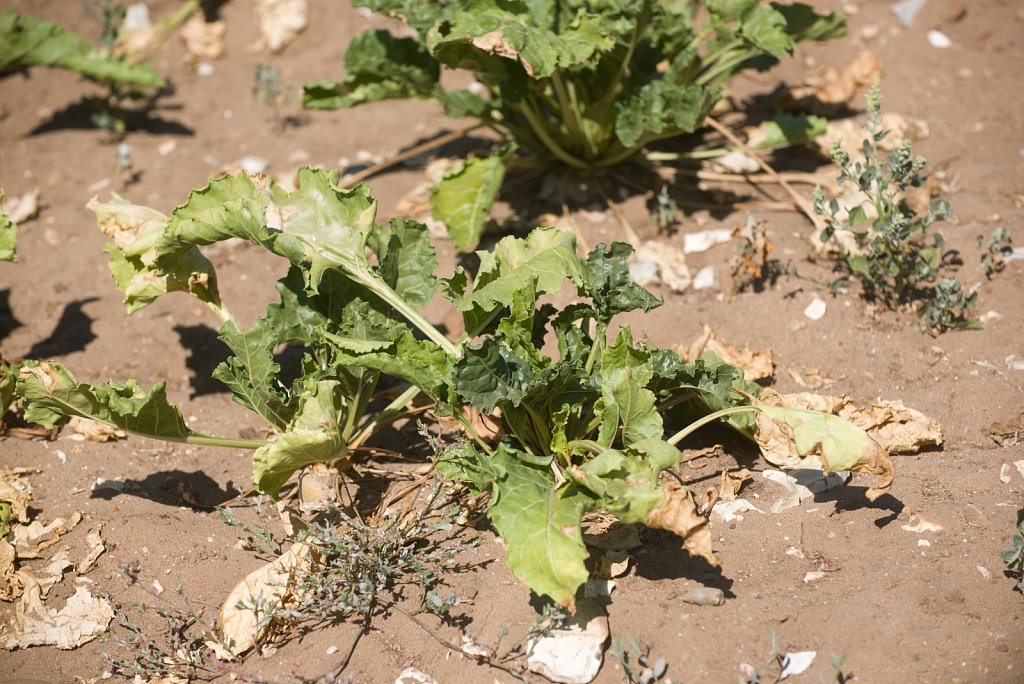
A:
[(662, 109), (378, 66), (28, 42), (419, 362), (507, 30), (135, 232), (251, 374), (462, 199), (408, 261), (419, 14), (783, 432), (540, 523), (803, 23), (49, 393), (544, 260), (627, 403), (607, 282), (490, 373), (8, 234), (314, 436)]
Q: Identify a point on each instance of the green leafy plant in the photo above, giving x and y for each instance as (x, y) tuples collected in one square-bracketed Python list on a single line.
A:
[(28, 42), (269, 92), (566, 83), (8, 234), (894, 252), (583, 431), (998, 246), (1013, 557)]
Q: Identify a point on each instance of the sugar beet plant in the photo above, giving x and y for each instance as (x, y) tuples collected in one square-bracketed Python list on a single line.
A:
[(583, 84), (583, 431)]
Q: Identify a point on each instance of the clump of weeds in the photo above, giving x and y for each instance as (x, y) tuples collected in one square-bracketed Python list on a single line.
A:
[(995, 251), (1013, 557), (637, 667), (884, 243)]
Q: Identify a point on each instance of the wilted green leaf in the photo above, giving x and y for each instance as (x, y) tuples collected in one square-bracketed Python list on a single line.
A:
[(8, 234), (251, 374), (540, 523), (49, 393), (28, 42), (378, 66), (462, 199), (662, 109), (313, 436)]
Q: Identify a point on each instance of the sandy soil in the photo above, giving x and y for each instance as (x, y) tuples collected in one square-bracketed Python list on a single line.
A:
[(899, 610)]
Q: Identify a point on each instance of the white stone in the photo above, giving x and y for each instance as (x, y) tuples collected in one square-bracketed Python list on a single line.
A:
[(136, 17), (938, 39), (816, 309), (796, 662), (574, 653), (705, 240), (705, 278), (411, 675)]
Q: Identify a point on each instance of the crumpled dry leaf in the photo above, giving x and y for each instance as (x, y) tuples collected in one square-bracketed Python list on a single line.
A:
[(809, 377), (10, 585), (731, 483), (679, 515), (94, 430), (787, 435), (606, 532), (899, 429), (756, 365), (22, 208), (54, 571), (280, 22), (851, 135), (81, 620), (270, 586), (828, 91), (203, 40), (96, 548), (31, 539), (1007, 434), (15, 493), (659, 262)]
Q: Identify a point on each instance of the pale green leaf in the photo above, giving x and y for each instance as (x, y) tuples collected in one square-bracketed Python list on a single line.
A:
[(8, 234), (462, 199)]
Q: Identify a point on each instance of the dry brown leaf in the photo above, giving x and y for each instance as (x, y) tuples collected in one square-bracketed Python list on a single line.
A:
[(851, 135), (95, 431), (899, 429), (810, 377), (82, 619), (23, 207), (31, 539), (271, 585), (1006, 434), (96, 548), (669, 263), (16, 492), (203, 39), (10, 585), (829, 90), (756, 365), (280, 22), (730, 484), (604, 531), (679, 515)]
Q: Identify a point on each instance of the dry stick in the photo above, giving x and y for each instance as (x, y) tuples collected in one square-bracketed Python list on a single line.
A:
[(567, 217), (702, 174), (631, 235), (798, 200), (408, 154)]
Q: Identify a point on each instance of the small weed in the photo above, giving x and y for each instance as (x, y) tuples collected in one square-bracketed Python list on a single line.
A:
[(637, 667), (665, 210), (1013, 557), (894, 254), (109, 14), (1000, 244), (269, 92), (178, 648), (259, 539)]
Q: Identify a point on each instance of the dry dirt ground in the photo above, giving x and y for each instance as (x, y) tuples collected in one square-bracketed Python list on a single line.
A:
[(899, 610)]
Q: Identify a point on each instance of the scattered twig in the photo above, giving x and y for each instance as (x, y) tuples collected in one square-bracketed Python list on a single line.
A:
[(631, 235), (799, 200), (451, 136)]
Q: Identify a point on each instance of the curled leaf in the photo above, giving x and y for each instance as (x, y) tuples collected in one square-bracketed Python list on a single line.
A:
[(679, 515), (786, 435)]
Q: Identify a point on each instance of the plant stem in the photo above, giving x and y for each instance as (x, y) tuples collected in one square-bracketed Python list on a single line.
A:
[(710, 418), (537, 125), (411, 314), (385, 415)]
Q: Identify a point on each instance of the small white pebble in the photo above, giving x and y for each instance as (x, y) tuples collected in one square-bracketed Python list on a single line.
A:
[(938, 39), (816, 309), (984, 571), (331, 650), (61, 456), (157, 588), (205, 69), (923, 542)]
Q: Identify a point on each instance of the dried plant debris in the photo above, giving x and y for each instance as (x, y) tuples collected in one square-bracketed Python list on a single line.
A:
[(96, 549), (898, 428), (679, 515), (756, 365), (280, 22), (659, 262), (95, 431), (82, 619), (829, 91), (30, 540), (22, 208), (204, 40), (1007, 434), (260, 593), (750, 267)]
